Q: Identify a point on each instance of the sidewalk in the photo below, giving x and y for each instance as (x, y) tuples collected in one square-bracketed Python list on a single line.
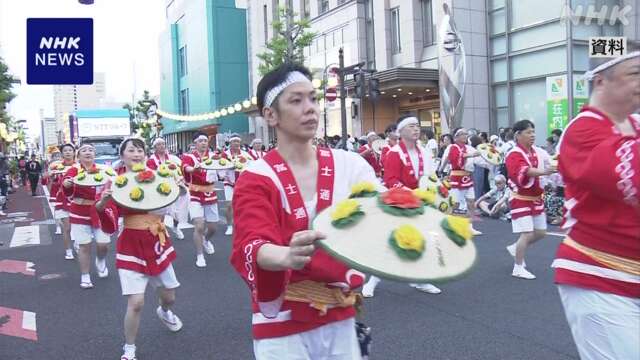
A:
[(23, 212)]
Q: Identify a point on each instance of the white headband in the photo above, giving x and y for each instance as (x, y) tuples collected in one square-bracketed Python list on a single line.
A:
[(156, 141), (235, 137), (458, 132), (255, 141), (407, 121), (85, 146), (201, 137), (370, 134), (589, 75), (293, 77)]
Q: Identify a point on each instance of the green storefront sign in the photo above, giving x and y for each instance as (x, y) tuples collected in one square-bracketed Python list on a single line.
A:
[(558, 103)]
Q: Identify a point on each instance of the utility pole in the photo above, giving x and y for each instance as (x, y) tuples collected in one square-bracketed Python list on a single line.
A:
[(289, 13), (342, 73)]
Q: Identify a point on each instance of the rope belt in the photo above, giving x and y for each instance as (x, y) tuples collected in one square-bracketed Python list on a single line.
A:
[(81, 201), (319, 296), (619, 263), (201, 188), (525, 197), (150, 222), (459, 173)]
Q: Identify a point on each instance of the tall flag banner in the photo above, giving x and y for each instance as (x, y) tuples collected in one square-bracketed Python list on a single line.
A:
[(452, 70)]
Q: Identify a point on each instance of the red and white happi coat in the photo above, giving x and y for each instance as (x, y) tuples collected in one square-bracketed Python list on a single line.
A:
[(601, 171), (154, 161), (268, 210), (518, 161), (372, 158), (460, 163), (198, 177), (257, 154), (137, 250), (56, 195), (399, 171), (81, 214), (230, 176)]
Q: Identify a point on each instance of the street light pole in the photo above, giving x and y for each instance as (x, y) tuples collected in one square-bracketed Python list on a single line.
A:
[(343, 99)]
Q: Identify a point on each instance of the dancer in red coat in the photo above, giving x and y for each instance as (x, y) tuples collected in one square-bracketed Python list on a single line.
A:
[(598, 263)]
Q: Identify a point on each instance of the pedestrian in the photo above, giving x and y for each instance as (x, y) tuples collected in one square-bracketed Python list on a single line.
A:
[(178, 214), (22, 167), (391, 134), (203, 207), (143, 256), (59, 200), (273, 249), (85, 224), (405, 164), (431, 143), (598, 262), (461, 157), (367, 152), (4, 183), (525, 165), (495, 203), (34, 169), (234, 154), (257, 149)]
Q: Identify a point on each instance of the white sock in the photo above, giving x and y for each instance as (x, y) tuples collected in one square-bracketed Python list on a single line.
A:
[(129, 350), (85, 278), (102, 264)]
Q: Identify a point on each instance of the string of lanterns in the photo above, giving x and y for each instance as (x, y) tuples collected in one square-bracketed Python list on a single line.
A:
[(222, 112)]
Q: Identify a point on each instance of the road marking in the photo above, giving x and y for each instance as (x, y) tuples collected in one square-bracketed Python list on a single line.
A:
[(18, 214), (18, 323), (46, 193), (26, 235), (17, 267)]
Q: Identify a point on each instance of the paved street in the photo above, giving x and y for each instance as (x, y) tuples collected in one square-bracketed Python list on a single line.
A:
[(487, 315)]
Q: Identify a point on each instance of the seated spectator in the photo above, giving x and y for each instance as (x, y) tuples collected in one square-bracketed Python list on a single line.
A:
[(495, 203)]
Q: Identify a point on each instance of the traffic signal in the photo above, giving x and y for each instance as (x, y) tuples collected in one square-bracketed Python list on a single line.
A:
[(359, 90), (374, 88)]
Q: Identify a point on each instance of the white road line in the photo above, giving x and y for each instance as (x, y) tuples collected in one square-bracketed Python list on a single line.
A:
[(26, 235), (46, 193), (560, 234), (29, 320)]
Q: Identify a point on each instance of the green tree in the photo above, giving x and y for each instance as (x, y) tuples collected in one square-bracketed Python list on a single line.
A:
[(287, 45), (6, 80), (138, 117)]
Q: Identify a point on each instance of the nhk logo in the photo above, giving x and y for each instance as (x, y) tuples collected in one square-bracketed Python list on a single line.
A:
[(59, 51)]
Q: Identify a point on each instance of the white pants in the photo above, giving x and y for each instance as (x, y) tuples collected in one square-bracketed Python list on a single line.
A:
[(84, 234), (461, 196), (604, 326), (335, 341), (60, 214), (208, 212), (133, 282), (529, 223)]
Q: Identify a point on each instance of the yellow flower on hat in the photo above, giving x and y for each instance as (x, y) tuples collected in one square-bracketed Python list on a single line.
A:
[(164, 188), (136, 194), (460, 225), (137, 167), (344, 209), (121, 181), (363, 186), (109, 171), (98, 177), (427, 196), (408, 237), (222, 162)]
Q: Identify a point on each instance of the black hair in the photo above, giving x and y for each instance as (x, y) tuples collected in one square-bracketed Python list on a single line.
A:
[(391, 128), (484, 136), (139, 143), (275, 77), (448, 136), (429, 134), (475, 140), (453, 134), (61, 147), (197, 134), (556, 132), (550, 140), (523, 125)]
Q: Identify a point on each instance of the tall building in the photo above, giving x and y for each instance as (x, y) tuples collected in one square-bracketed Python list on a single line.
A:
[(69, 98), (203, 65), (49, 135), (514, 49)]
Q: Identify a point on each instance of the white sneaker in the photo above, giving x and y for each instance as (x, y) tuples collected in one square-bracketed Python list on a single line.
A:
[(427, 288), (519, 271), (200, 261), (229, 230), (2, 213), (179, 233), (185, 225), (475, 232), (512, 251), (58, 230), (103, 272), (170, 319), (129, 354), (76, 247), (68, 255), (208, 247), (370, 287)]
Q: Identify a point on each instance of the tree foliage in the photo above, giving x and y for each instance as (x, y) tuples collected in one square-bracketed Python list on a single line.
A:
[(278, 49), (138, 118), (6, 95)]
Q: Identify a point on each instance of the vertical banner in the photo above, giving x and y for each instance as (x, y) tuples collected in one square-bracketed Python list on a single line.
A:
[(580, 93), (557, 103)]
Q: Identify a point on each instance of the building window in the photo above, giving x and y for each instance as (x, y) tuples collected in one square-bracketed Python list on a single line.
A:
[(340, 2), (182, 59), (530, 102), (395, 31), (305, 6), (323, 6), (427, 23), (266, 23), (184, 101)]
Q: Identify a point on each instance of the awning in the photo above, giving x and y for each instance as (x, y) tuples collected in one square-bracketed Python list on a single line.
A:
[(397, 77), (174, 126)]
